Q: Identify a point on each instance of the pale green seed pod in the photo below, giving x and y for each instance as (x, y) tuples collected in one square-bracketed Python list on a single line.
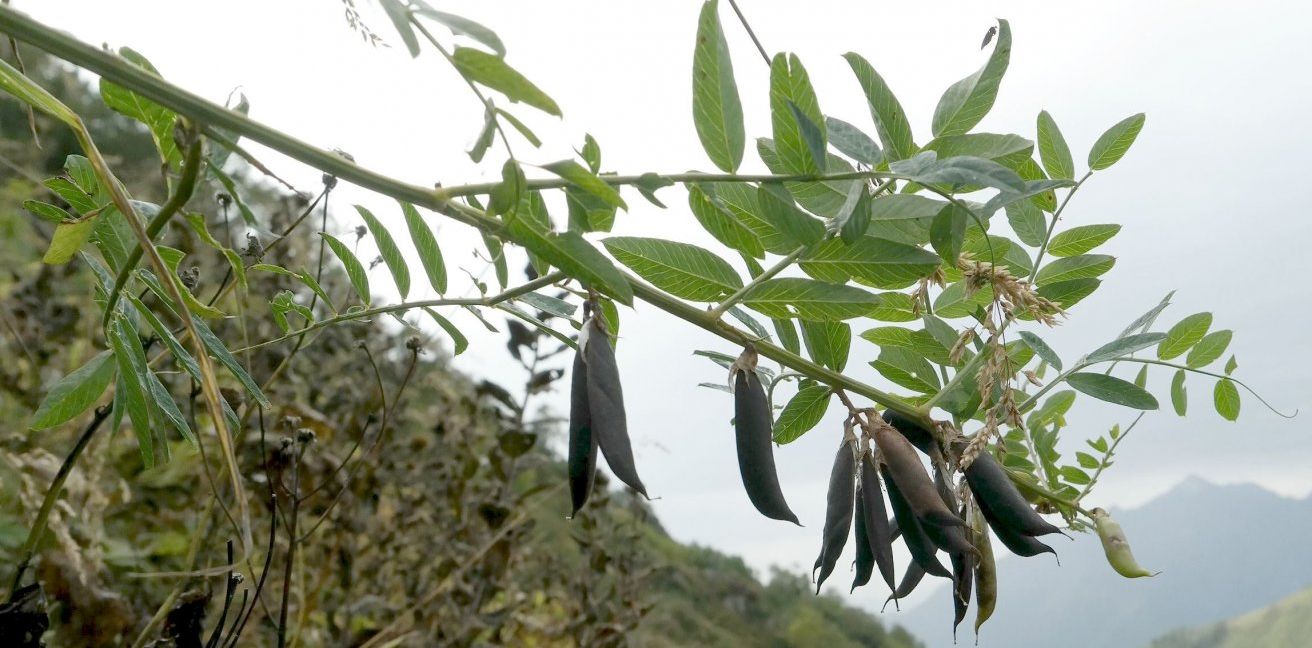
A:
[(1117, 547)]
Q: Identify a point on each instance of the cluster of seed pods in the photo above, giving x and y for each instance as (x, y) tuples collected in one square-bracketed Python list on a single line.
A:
[(927, 512)]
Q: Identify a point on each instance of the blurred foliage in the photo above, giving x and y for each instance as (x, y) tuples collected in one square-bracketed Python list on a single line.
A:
[(454, 507)]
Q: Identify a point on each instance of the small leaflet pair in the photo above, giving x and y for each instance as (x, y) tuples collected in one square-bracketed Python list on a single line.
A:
[(596, 416)]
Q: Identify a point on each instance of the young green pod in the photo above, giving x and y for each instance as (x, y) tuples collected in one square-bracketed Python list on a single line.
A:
[(582, 443), (879, 531), (921, 547), (865, 557), (986, 571), (606, 404), (1117, 547), (838, 511), (995, 490), (963, 570), (910, 579), (753, 429)]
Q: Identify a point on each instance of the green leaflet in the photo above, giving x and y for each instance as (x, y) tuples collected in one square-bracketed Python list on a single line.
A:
[(808, 299), (354, 270), (828, 343), (965, 102), (493, 72), (716, 109), (570, 252), (790, 88), (1113, 144), (158, 119), (388, 249), (890, 120), (803, 411), (1226, 399), (681, 269), (1054, 152), (1112, 390), (431, 256), (1078, 240), (75, 393), (873, 261), (1076, 267), (1184, 335)]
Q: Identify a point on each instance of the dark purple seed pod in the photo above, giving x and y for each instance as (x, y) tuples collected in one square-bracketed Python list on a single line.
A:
[(838, 511), (606, 405), (865, 557), (753, 429), (880, 529), (1015, 541), (913, 482), (922, 549), (582, 443), (952, 539), (910, 579), (994, 489)]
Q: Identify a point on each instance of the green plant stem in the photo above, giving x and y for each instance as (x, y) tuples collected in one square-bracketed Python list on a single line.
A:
[(518, 291), (1102, 465), (690, 177), (967, 369), (181, 194), (122, 72), (52, 495), (770, 272), (1056, 216)]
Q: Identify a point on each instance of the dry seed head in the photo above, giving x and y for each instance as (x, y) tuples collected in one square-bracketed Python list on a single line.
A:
[(959, 348), (981, 439), (1034, 380)]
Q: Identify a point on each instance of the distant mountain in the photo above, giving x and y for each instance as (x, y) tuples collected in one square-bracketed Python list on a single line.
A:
[(1223, 550), (1287, 624)]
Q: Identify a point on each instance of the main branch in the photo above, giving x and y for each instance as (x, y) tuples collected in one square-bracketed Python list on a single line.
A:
[(127, 75)]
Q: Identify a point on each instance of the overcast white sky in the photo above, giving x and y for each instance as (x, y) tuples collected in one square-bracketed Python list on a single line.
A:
[(1210, 195)]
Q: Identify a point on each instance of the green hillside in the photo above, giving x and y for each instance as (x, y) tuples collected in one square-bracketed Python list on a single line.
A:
[(1286, 624)]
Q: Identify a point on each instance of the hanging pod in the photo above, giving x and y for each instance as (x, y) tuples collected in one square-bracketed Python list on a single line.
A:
[(904, 470), (753, 428), (865, 557), (996, 492), (922, 549), (879, 531), (1015, 541), (986, 573), (910, 579), (582, 443), (952, 539), (838, 511), (912, 481), (1117, 547), (606, 403)]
